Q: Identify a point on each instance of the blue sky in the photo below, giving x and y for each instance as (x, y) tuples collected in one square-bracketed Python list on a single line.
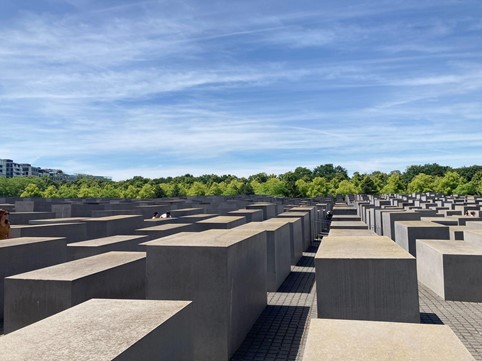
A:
[(164, 88)]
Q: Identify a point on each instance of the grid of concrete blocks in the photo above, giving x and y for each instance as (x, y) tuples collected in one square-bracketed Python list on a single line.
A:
[(241, 278), (104, 279)]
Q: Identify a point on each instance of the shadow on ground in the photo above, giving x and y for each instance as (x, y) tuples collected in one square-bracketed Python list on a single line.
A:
[(275, 335)]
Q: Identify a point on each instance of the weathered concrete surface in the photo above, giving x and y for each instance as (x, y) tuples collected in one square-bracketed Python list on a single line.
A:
[(366, 278), (351, 232), (219, 222), (296, 237), (349, 340), (252, 215), (278, 250), (451, 269), (348, 225), (32, 296), (105, 330), (407, 232), (223, 272), (96, 246), (18, 255)]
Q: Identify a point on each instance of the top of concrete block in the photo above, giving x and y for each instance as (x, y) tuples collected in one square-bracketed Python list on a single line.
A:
[(211, 238), (351, 340), (419, 224), (304, 208), (292, 214), (80, 268), (452, 247), (221, 219), (20, 241), (284, 219), (263, 226), (105, 241), (112, 218), (164, 227), (56, 220), (351, 232), (98, 329), (246, 211), (356, 247)]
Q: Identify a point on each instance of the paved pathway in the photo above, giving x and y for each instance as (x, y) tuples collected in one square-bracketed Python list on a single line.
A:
[(279, 333)]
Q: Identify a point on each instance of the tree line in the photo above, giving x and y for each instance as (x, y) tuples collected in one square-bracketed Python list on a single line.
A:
[(323, 180)]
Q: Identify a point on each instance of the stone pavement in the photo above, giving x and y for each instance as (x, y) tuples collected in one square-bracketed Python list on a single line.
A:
[(279, 333)]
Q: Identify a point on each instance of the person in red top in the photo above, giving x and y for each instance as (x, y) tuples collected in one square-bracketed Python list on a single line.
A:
[(4, 224)]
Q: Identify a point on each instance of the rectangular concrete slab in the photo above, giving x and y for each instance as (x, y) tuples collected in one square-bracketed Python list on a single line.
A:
[(366, 278), (278, 250), (451, 269), (348, 225), (219, 222), (223, 272), (350, 340), (407, 232), (18, 255), (296, 237), (252, 215), (34, 295), (96, 246), (351, 232), (104, 330)]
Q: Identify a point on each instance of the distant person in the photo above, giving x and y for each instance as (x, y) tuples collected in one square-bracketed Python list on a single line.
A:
[(156, 215), (4, 224), (329, 215), (166, 215)]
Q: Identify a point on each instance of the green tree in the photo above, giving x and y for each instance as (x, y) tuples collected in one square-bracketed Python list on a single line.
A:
[(31, 190), (146, 192), (449, 182), (367, 186), (318, 187), (50, 192), (394, 184), (421, 183), (346, 187), (197, 189), (216, 189), (329, 172)]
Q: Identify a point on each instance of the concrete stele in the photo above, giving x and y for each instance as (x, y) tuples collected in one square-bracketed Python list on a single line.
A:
[(350, 340), (366, 278), (104, 330)]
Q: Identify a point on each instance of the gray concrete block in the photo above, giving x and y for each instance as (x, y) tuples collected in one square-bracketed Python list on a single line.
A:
[(18, 255), (348, 225), (407, 232), (269, 209), (366, 278), (107, 329), (125, 243), (389, 219), (334, 340), (164, 230), (351, 232), (305, 225), (453, 270), (223, 272), (473, 236), (35, 295), (72, 232), (278, 253), (219, 222), (296, 237), (252, 215)]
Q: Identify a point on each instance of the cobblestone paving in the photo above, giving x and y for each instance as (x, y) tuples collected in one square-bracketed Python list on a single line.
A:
[(279, 333), (464, 318)]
